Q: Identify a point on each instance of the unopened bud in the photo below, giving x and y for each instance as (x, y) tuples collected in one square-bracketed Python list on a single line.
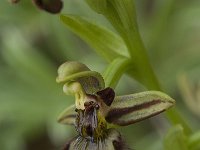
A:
[(52, 6)]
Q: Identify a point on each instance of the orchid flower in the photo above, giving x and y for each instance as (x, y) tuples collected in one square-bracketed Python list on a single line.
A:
[(98, 111)]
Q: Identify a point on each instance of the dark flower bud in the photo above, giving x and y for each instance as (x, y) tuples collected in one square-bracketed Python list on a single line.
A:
[(52, 6)]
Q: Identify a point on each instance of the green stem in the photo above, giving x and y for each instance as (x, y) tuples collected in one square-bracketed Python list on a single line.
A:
[(132, 38), (150, 80), (121, 15), (134, 44)]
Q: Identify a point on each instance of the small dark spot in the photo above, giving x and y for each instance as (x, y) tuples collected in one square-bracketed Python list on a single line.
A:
[(67, 146), (91, 102), (89, 130), (86, 104), (97, 106), (118, 145), (107, 95)]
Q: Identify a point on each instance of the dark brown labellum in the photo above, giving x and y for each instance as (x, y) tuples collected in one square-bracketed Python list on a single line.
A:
[(52, 6), (107, 95), (87, 121)]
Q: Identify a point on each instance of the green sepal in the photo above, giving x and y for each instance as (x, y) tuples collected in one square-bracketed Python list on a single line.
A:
[(129, 109), (68, 116)]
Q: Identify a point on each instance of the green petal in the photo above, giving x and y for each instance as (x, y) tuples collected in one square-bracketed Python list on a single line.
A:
[(68, 116), (129, 109)]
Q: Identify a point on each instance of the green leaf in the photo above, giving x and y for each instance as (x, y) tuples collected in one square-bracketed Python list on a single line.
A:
[(122, 16), (68, 115), (175, 139), (125, 12), (26, 60), (120, 13), (98, 5), (189, 93), (194, 141), (106, 43), (115, 70), (129, 109)]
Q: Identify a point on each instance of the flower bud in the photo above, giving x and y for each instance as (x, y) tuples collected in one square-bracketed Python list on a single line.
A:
[(51, 6)]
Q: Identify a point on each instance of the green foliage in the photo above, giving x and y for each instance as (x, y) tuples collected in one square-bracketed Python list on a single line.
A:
[(175, 139), (107, 44), (33, 43), (121, 16), (194, 141)]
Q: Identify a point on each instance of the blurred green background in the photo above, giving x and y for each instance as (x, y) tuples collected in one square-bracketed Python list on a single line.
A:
[(34, 43)]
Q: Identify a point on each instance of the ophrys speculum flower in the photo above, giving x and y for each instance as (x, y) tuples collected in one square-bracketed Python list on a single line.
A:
[(97, 109)]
